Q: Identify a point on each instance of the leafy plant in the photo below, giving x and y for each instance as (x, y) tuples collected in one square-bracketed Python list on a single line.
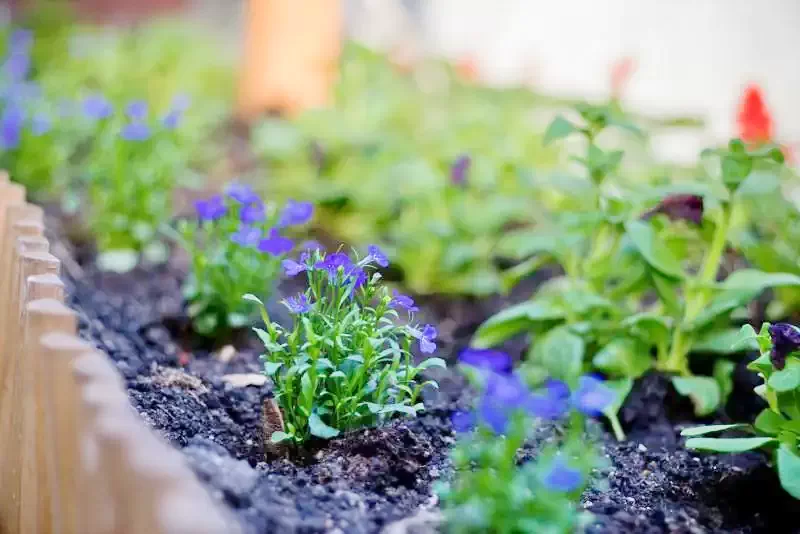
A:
[(344, 363), (491, 490), (236, 245), (777, 428), (639, 280)]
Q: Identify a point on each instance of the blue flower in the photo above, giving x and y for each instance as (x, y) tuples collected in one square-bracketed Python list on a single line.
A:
[(592, 396), (298, 304), (242, 193), (211, 209), (426, 343), (246, 236), (552, 403), (252, 213), (463, 421), (275, 244), (377, 255), (20, 40), (96, 107), (402, 301), (502, 397), (16, 66), (562, 477), (40, 124), (785, 340), (136, 131), (137, 110), (295, 213), (311, 245), (487, 359), (458, 172), (11, 125), (292, 268), (172, 119)]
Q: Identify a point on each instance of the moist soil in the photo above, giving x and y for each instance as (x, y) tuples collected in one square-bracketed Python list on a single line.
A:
[(381, 480)]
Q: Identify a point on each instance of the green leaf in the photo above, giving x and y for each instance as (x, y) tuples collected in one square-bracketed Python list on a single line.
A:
[(709, 429), (722, 303), (561, 353), (514, 320), (727, 341), (558, 129), (270, 368), (279, 436), (623, 357), (723, 374), (399, 408), (789, 470), (769, 422), (745, 339), (728, 444), (118, 261), (702, 390), (320, 429), (252, 298), (238, 320), (432, 362), (757, 281), (654, 251), (788, 378), (621, 389)]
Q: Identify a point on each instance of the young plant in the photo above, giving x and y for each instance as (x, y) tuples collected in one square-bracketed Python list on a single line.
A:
[(777, 428), (345, 362), (638, 283), (132, 166), (491, 491), (236, 245)]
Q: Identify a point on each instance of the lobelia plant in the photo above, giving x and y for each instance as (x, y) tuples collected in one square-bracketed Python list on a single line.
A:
[(777, 428), (133, 165), (491, 491), (637, 284), (345, 362), (236, 246)]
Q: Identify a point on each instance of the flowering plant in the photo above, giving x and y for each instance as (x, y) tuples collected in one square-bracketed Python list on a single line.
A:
[(236, 245), (345, 362), (492, 491), (777, 427)]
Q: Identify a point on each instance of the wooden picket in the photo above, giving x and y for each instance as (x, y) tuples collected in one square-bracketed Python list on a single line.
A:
[(75, 457)]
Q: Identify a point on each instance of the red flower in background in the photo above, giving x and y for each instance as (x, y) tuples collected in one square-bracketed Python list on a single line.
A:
[(754, 119), (621, 72), (467, 69)]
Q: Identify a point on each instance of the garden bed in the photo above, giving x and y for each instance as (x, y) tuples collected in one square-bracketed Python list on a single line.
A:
[(381, 480)]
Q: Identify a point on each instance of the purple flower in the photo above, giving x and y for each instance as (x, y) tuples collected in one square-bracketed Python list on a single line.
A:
[(338, 262), (275, 244), (426, 343), (135, 131), (458, 172), (17, 65), (785, 340), (592, 396), (172, 119), (246, 236), (11, 127), (463, 421), (552, 403), (96, 107), (252, 213), (295, 213), (292, 268), (20, 40), (677, 207), (402, 301), (137, 110), (562, 477), (377, 255), (40, 124), (298, 304), (242, 193), (495, 361), (311, 245), (211, 209), (503, 396)]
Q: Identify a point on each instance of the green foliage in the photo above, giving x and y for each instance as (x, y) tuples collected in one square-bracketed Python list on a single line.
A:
[(345, 363), (777, 427)]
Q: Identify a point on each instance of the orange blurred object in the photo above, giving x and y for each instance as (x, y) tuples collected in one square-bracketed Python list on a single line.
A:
[(291, 56), (467, 69), (754, 119)]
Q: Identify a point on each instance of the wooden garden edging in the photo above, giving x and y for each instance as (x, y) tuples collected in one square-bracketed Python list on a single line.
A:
[(75, 458)]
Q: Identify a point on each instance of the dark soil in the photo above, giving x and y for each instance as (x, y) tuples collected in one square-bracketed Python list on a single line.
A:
[(380, 480)]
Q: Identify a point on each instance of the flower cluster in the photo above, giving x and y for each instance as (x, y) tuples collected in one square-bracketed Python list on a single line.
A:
[(236, 245), (535, 495), (346, 362)]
